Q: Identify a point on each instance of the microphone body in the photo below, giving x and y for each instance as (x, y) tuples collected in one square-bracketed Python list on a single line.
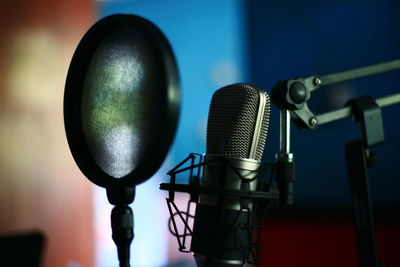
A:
[(221, 223), (236, 135)]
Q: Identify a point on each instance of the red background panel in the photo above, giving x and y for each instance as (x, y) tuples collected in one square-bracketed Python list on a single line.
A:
[(323, 241)]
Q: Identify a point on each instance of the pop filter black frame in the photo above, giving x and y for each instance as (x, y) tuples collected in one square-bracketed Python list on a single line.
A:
[(169, 93)]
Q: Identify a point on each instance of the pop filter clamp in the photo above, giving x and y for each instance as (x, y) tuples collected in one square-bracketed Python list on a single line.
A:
[(291, 97)]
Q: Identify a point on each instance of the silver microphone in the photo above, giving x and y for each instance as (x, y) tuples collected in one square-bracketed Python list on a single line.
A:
[(236, 135)]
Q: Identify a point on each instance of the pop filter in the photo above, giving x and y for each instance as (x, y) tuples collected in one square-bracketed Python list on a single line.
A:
[(121, 101), (121, 107)]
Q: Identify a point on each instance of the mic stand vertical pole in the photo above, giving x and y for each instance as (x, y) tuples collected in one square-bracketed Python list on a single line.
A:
[(285, 164), (122, 221), (362, 206), (284, 134), (358, 159)]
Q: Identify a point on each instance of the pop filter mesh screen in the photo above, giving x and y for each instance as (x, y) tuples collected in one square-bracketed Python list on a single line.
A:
[(114, 107)]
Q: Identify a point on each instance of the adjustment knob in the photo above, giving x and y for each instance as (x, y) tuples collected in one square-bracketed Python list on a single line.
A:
[(298, 93)]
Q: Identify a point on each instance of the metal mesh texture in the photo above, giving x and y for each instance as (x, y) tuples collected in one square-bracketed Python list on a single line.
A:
[(232, 119)]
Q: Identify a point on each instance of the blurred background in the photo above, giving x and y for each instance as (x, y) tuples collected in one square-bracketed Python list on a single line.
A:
[(216, 43)]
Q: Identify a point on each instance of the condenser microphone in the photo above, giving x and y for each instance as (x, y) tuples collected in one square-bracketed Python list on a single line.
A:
[(236, 134)]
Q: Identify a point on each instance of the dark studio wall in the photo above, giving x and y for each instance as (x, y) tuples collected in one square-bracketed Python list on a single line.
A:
[(291, 39)]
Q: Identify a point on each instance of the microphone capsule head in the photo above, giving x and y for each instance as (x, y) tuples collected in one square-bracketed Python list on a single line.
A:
[(238, 122)]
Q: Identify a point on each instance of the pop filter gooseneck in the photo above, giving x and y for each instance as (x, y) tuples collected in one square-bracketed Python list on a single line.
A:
[(121, 107)]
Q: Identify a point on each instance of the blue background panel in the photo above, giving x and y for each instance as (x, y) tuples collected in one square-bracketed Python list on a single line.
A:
[(290, 39)]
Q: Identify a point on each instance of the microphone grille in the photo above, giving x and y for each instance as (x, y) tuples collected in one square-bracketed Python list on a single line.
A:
[(238, 122)]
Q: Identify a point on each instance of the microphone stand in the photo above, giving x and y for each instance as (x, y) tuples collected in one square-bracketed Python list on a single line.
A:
[(285, 167), (291, 97), (122, 220)]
